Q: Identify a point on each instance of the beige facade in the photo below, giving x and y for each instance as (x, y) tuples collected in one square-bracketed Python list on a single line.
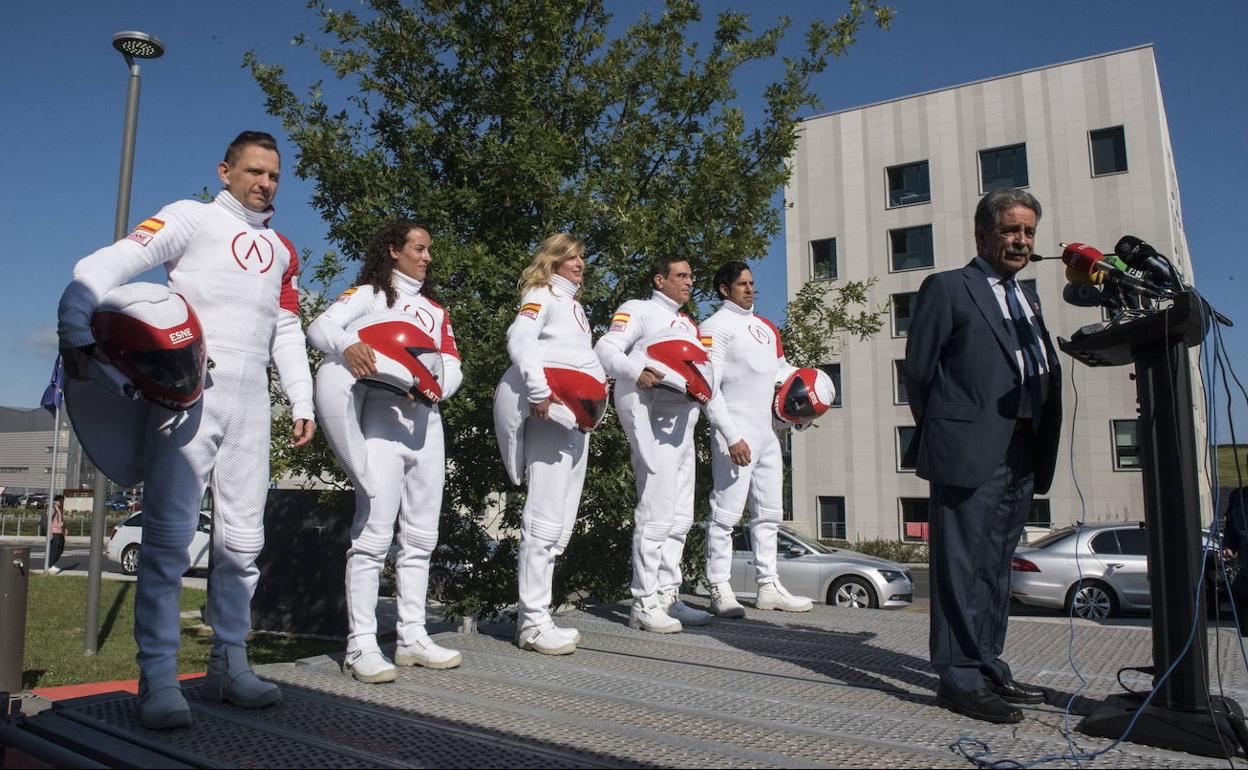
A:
[(841, 190)]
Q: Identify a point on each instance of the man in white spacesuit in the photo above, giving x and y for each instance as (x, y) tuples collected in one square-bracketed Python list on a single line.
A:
[(239, 276), (659, 423), (747, 359)]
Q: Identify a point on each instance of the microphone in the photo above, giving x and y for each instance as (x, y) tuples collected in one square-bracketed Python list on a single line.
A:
[(1143, 257), (1087, 260), (1082, 295), (1095, 278)]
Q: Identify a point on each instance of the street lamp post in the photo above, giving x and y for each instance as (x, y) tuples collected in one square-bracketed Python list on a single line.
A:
[(134, 46)]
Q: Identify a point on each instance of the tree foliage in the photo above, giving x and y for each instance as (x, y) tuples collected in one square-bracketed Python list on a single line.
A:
[(498, 122)]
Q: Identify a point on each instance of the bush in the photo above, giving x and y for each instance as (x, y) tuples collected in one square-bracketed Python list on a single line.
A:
[(893, 550)]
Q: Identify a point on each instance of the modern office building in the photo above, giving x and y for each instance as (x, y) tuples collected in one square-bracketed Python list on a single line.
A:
[(26, 453), (888, 192)]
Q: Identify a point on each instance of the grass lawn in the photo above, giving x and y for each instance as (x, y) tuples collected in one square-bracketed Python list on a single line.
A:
[(56, 608)]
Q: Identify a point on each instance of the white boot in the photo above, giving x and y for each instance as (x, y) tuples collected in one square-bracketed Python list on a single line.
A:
[(572, 633), (231, 679), (724, 602), (369, 666), (688, 616), (649, 614), (773, 596), (161, 703), (423, 651), (547, 639)]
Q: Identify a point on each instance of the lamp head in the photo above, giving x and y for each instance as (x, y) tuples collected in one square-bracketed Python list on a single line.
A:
[(138, 45)]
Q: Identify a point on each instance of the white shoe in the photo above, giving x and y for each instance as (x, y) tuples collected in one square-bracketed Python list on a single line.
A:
[(547, 639), (773, 596), (649, 614), (369, 666), (161, 703), (423, 651), (572, 633), (724, 602), (688, 616), (54, 570), (231, 679)]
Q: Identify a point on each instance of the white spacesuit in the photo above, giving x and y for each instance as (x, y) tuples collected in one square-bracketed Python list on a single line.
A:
[(550, 333), (404, 462), (747, 359), (659, 424), (240, 278)]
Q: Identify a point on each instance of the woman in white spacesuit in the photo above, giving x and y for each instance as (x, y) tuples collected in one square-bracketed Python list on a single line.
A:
[(398, 463), (548, 401)]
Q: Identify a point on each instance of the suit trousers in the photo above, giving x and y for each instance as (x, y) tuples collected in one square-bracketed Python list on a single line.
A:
[(973, 533)]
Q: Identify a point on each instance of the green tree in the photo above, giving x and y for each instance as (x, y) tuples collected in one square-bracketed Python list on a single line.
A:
[(498, 122)]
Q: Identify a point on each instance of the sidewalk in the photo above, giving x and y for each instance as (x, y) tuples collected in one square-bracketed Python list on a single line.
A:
[(830, 688)]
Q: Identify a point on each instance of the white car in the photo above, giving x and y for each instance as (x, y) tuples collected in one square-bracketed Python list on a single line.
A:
[(127, 538)]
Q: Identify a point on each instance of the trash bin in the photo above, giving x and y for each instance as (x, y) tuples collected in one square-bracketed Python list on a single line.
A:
[(14, 569)]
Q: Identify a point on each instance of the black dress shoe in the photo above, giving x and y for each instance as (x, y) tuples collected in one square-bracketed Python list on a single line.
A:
[(1014, 691), (981, 704)]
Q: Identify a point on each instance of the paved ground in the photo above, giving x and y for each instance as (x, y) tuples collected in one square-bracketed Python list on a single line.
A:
[(832, 688)]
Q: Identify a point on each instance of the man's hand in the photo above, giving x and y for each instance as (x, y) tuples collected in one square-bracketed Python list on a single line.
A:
[(1229, 553), (76, 360), (740, 452), (361, 360), (648, 379), (541, 410), (302, 433)]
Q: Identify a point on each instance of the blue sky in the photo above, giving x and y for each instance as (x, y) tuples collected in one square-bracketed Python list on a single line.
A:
[(63, 88)]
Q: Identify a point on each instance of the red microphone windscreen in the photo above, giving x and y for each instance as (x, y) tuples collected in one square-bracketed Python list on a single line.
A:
[(1082, 257)]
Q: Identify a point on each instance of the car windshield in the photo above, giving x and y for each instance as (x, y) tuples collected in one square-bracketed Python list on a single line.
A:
[(813, 545), (1056, 536)]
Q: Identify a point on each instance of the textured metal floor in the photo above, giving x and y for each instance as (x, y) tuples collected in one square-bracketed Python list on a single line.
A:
[(832, 688)]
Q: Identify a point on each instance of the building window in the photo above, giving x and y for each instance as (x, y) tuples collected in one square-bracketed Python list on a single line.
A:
[(899, 382), (905, 434), (1039, 515), (1003, 167), (823, 259), (1126, 445), (832, 518), (1109, 151), (834, 372), (908, 184), (903, 306), (912, 248), (914, 519), (14, 468)]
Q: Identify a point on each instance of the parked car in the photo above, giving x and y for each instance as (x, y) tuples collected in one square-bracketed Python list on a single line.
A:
[(126, 539), (37, 501), (117, 504), (832, 575), (10, 500), (1112, 561)]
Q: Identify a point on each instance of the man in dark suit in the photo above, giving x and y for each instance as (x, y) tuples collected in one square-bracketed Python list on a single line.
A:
[(1234, 534), (984, 386)]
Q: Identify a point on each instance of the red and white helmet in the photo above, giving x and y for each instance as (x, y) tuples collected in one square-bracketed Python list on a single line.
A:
[(803, 397), (408, 360), (153, 339), (684, 364), (580, 398)]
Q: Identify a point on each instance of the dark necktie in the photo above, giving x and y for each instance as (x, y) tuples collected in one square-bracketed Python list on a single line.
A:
[(1030, 346)]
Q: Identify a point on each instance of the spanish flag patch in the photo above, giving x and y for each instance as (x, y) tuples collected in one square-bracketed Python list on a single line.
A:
[(346, 295), (619, 321), (530, 309), (706, 341), (145, 230)]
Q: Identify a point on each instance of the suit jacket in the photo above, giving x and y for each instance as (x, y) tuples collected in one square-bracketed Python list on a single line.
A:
[(964, 384)]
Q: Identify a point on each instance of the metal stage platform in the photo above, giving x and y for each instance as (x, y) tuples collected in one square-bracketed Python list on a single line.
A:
[(830, 688)]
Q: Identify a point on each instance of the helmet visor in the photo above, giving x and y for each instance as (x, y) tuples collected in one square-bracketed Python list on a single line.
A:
[(175, 373)]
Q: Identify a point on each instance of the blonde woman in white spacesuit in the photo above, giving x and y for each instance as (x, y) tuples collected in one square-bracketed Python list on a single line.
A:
[(545, 406), (390, 443)]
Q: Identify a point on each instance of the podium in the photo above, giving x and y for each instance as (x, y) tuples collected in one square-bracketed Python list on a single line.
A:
[(1182, 715)]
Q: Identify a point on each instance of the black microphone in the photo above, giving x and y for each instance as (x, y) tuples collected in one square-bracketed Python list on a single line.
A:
[(1141, 256), (1087, 259), (1082, 295)]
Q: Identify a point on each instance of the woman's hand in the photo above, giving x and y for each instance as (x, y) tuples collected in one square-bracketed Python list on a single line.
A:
[(361, 360)]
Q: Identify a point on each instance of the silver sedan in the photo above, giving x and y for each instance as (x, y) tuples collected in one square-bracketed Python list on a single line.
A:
[(1094, 571), (838, 577)]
